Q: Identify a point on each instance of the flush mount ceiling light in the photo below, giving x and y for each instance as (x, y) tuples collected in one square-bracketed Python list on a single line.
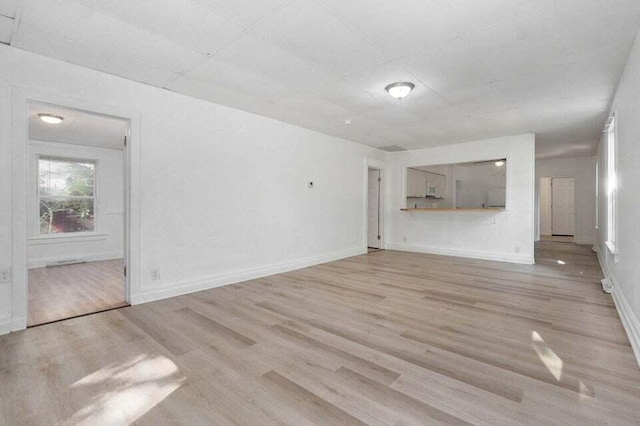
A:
[(348, 121), (51, 118), (399, 90), (499, 163)]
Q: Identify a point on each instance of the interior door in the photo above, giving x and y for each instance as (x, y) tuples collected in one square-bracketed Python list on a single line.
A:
[(545, 206), (562, 207), (373, 209)]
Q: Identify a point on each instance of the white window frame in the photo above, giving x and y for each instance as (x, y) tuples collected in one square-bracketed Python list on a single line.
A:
[(612, 186), (597, 165), (41, 236)]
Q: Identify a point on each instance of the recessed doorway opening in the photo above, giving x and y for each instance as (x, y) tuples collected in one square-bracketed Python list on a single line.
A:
[(557, 209), (76, 213), (374, 210)]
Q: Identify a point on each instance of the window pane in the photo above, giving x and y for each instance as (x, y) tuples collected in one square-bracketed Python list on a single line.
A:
[(62, 216), (64, 178)]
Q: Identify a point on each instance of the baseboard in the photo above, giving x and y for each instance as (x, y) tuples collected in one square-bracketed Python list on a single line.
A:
[(13, 325), (511, 258), (205, 283), (629, 320), (627, 317), (41, 263)]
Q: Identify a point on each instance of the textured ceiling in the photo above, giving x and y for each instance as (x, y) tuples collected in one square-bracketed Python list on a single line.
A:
[(77, 128), (481, 68)]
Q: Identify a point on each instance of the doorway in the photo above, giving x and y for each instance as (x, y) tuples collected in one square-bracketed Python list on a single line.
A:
[(76, 213), (374, 210), (557, 209)]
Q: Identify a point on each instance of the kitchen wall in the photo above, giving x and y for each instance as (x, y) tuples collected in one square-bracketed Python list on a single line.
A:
[(109, 217), (583, 170), (222, 193), (497, 235), (480, 185), (623, 268)]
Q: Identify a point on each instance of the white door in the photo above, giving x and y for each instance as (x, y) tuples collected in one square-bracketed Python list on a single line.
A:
[(373, 209), (545, 206), (562, 207)]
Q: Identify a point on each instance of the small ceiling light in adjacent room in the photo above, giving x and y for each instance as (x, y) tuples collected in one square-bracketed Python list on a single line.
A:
[(399, 90), (51, 118), (499, 163), (348, 121)]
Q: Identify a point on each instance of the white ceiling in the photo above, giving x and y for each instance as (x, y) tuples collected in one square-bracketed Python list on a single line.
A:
[(77, 128), (481, 68)]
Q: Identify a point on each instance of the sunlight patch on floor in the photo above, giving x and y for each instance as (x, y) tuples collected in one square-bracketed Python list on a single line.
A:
[(548, 357), (121, 394)]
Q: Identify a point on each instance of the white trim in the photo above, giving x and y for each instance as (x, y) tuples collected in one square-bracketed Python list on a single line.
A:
[(384, 200), (40, 263), (21, 97), (527, 260), (177, 288), (79, 237), (13, 325), (611, 247), (629, 320)]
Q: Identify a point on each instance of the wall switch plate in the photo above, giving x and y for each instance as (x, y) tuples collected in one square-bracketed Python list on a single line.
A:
[(310, 184), (5, 275), (155, 274)]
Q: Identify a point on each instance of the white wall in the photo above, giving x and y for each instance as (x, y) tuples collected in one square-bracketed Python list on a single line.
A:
[(583, 170), (222, 192), (506, 235), (108, 241), (623, 269)]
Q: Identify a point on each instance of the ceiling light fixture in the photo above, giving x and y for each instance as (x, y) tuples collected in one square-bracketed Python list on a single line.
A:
[(399, 90), (499, 163), (51, 118), (348, 121)]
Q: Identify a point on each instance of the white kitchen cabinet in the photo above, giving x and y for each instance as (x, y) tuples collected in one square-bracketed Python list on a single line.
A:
[(441, 186)]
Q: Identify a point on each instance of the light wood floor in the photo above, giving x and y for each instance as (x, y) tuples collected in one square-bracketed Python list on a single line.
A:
[(557, 238), (384, 338), (71, 290)]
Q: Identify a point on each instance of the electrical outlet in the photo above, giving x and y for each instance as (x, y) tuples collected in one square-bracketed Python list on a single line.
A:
[(517, 249), (155, 274), (404, 239), (5, 275)]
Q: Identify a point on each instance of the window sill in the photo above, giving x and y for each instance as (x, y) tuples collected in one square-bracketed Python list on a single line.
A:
[(57, 239), (611, 247)]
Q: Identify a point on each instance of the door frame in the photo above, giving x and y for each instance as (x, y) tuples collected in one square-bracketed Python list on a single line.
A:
[(21, 98), (575, 217), (539, 205), (370, 163)]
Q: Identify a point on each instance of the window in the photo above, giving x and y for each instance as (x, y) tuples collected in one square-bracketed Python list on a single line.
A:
[(612, 184), (597, 194), (66, 195)]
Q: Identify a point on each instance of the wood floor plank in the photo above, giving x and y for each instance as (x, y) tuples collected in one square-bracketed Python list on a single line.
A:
[(386, 338), (66, 291)]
